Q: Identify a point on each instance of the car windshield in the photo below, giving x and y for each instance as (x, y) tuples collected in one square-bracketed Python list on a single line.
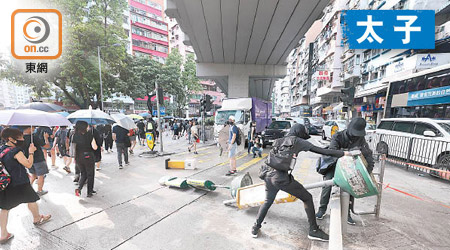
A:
[(317, 120), (371, 127), (223, 115), (280, 125), (445, 126)]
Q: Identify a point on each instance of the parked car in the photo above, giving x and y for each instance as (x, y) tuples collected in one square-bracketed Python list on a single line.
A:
[(275, 130), (421, 140), (333, 126), (370, 131)]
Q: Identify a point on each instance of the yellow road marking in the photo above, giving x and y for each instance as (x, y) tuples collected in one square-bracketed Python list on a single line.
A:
[(226, 162), (251, 162), (304, 170), (200, 149)]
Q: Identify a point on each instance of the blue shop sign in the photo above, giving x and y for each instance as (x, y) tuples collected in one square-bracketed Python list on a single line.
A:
[(388, 29), (429, 96)]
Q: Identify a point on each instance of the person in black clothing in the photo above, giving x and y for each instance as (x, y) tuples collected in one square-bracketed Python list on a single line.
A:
[(98, 153), (84, 156), (349, 139), (19, 189), (121, 135), (276, 180), (108, 138), (141, 127)]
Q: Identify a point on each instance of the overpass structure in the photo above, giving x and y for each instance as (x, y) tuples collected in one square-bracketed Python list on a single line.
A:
[(243, 44)]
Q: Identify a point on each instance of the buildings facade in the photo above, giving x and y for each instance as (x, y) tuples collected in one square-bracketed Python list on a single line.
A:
[(149, 31), (373, 72), (12, 95)]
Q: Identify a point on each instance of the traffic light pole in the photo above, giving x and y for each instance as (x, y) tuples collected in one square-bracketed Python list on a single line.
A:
[(161, 148), (203, 119)]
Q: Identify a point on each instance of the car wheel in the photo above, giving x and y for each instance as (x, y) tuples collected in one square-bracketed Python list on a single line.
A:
[(437, 174), (382, 148), (324, 137)]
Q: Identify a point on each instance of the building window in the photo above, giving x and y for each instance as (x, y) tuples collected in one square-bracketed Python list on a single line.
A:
[(145, 13), (148, 34), (150, 45), (148, 21), (150, 3)]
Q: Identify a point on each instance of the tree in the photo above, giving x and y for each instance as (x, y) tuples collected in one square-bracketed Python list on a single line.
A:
[(190, 81), (87, 24)]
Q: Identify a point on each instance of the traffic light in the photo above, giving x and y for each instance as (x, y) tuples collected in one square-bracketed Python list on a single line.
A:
[(348, 95), (149, 102), (202, 104), (208, 103), (159, 92)]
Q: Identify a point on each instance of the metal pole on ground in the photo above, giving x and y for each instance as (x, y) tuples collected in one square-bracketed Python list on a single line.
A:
[(335, 221), (380, 185), (345, 200), (161, 148)]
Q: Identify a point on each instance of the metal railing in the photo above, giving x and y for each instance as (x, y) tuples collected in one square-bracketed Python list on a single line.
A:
[(429, 155)]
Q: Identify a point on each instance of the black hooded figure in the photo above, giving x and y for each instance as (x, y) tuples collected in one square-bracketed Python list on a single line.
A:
[(276, 180)]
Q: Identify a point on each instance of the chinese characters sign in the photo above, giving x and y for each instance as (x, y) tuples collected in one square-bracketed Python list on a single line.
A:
[(322, 75), (388, 29), (429, 96)]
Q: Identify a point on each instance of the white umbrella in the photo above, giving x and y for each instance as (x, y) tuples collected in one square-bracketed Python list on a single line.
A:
[(31, 117), (124, 121), (91, 116)]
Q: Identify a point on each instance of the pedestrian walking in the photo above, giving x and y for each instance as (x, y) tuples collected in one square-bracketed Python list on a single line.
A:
[(121, 137), (141, 132), (232, 145), (251, 136), (85, 146), (189, 133), (98, 152), (19, 189), (108, 138), (61, 143), (49, 150), (39, 168), (132, 134), (348, 139), (276, 180), (195, 136)]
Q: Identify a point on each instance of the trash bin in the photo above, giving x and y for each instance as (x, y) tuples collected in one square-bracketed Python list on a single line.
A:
[(351, 175)]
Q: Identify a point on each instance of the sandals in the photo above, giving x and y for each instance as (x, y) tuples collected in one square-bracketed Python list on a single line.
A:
[(42, 220), (10, 236)]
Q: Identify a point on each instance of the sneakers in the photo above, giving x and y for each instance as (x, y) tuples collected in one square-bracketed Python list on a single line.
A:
[(255, 231), (231, 172), (41, 193), (120, 167), (127, 164), (318, 234), (350, 221), (67, 169), (320, 215), (196, 153)]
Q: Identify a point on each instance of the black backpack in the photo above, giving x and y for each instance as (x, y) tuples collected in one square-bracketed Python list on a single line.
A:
[(238, 136), (281, 156)]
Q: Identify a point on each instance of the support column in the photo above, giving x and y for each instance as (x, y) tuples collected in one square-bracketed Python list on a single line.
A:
[(238, 86)]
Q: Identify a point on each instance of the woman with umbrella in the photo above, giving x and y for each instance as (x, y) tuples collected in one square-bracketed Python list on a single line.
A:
[(19, 189)]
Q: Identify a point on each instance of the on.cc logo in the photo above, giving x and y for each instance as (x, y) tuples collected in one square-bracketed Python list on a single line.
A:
[(36, 34)]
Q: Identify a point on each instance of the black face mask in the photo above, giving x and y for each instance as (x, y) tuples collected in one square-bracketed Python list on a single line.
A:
[(19, 143), (231, 123)]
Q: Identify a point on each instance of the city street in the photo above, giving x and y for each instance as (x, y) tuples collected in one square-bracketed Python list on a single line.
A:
[(132, 211)]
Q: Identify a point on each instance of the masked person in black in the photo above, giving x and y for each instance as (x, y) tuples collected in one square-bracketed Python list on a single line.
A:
[(351, 138), (276, 180)]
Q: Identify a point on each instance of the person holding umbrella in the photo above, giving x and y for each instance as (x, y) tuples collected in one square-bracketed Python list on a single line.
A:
[(19, 190), (85, 146), (39, 168)]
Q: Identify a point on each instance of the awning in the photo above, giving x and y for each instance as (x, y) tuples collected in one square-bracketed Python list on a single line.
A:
[(338, 107), (372, 91), (317, 108), (330, 108)]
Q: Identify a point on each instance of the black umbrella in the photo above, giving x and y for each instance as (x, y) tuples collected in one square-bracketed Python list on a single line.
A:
[(42, 106)]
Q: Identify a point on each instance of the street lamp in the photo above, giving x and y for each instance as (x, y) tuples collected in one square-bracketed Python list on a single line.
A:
[(100, 70)]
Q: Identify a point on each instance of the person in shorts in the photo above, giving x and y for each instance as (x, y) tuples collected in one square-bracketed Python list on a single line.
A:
[(39, 168), (132, 133), (232, 145), (61, 142)]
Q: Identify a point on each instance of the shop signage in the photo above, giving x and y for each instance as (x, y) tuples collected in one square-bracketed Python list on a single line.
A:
[(429, 96), (371, 108), (426, 61)]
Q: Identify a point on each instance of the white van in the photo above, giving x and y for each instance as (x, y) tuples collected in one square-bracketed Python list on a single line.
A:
[(421, 140)]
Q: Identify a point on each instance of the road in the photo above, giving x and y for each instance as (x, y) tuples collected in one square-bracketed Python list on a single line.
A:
[(132, 211)]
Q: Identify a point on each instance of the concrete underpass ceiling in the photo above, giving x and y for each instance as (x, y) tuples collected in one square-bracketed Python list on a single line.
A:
[(244, 31)]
